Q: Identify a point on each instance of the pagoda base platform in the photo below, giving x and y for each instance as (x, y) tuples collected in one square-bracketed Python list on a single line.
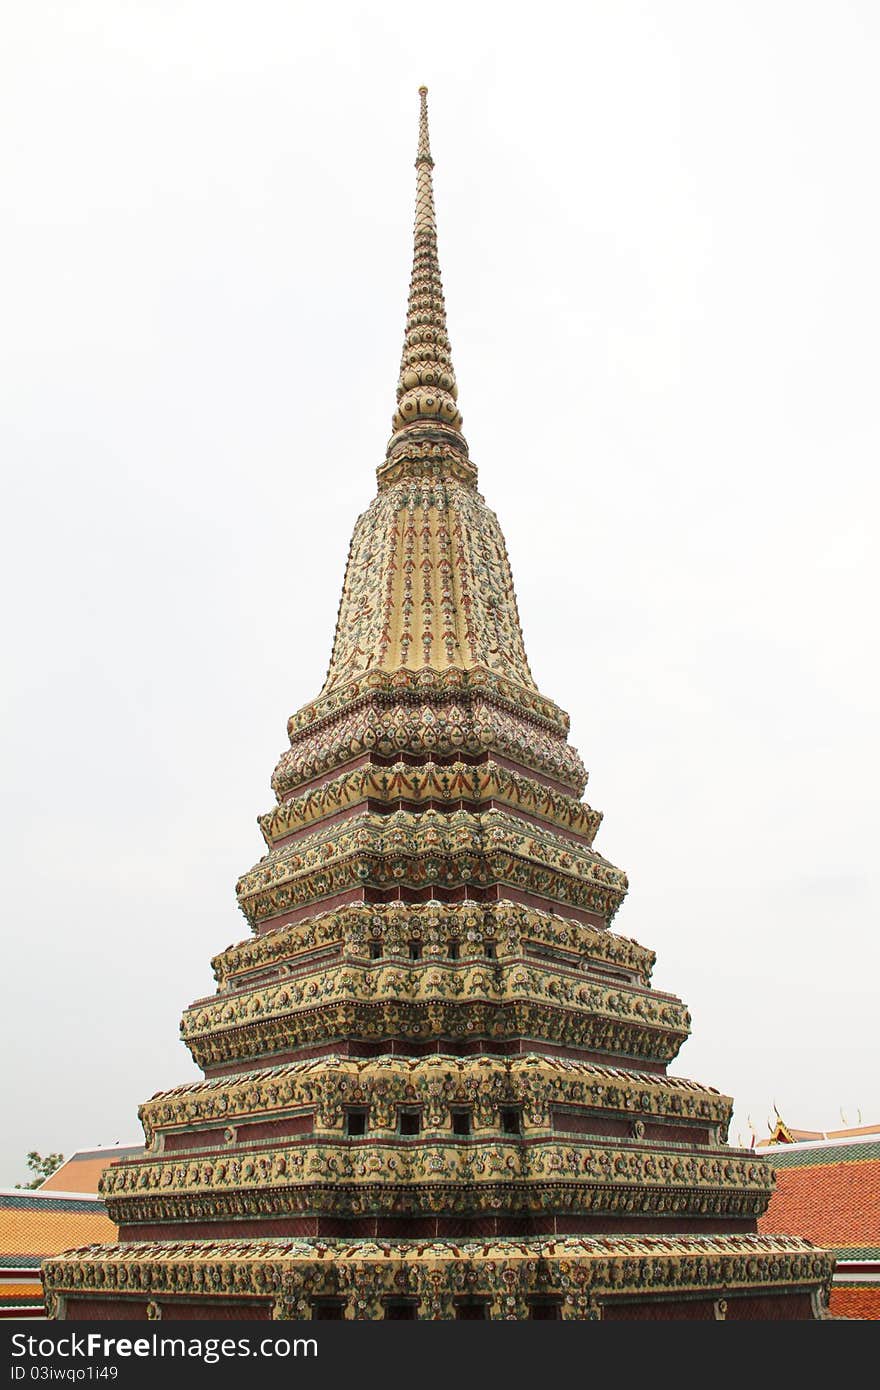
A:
[(612, 1278)]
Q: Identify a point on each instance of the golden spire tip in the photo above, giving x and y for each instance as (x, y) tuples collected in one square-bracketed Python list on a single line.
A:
[(426, 389)]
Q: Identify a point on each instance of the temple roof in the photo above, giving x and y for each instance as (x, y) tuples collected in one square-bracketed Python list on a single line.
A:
[(65, 1210), (829, 1191), (786, 1134), (34, 1225), (80, 1172)]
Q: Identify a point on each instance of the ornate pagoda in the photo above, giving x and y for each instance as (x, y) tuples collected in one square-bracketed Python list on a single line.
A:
[(435, 1080)]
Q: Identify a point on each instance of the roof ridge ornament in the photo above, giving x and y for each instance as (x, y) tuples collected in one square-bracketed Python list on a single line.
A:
[(426, 390)]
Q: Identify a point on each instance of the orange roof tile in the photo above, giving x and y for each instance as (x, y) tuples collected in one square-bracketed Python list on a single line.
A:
[(80, 1172), (849, 1302), (835, 1203), (77, 1175), (29, 1231)]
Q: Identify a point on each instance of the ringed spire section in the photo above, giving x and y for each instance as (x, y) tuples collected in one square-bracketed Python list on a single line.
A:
[(427, 393)]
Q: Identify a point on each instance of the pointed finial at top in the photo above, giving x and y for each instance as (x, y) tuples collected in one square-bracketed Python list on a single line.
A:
[(424, 151), (426, 389)]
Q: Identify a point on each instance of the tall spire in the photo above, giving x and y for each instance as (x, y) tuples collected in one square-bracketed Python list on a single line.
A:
[(426, 391)]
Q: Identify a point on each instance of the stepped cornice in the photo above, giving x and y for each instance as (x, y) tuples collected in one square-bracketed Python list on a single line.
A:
[(428, 715), (427, 684), (391, 927), (376, 1001), (586, 1275), (424, 849), (429, 782), (436, 1176), (326, 1086)]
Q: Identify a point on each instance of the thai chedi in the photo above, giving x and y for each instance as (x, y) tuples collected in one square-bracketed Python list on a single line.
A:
[(435, 1080)]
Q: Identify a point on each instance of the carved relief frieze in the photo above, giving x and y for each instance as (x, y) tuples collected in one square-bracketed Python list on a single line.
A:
[(419, 849), (468, 926), (430, 782), (585, 1275), (438, 1084)]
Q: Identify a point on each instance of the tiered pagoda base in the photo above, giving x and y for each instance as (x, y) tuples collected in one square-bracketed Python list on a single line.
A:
[(438, 1111)]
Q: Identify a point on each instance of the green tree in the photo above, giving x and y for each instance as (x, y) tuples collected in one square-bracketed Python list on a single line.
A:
[(41, 1168)]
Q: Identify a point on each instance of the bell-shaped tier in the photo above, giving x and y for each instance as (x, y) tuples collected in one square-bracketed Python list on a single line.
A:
[(428, 587)]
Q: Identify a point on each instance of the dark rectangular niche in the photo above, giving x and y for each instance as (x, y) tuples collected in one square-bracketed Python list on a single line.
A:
[(327, 1310), (462, 1122), (409, 1123), (403, 1310), (471, 1312), (545, 1311), (511, 1121), (355, 1123)]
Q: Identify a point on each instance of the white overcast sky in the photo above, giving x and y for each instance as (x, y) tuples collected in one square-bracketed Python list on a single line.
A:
[(659, 231)]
